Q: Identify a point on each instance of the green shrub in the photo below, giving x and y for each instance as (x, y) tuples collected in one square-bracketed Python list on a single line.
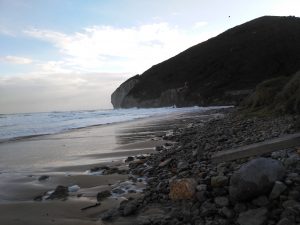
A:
[(265, 93), (288, 100)]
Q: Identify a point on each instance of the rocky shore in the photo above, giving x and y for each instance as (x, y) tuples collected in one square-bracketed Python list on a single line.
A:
[(180, 184), (183, 186)]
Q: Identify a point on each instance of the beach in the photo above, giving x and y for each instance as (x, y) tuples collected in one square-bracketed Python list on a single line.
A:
[(36, 165), (168, 169)]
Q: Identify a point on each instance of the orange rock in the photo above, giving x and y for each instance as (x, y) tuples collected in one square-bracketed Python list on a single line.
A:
[(181, 189)]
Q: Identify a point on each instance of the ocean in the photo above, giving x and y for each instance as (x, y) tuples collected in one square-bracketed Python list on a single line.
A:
[(21, 125)]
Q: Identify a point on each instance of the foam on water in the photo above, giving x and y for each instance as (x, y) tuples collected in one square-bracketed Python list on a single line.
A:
[(31, 124)]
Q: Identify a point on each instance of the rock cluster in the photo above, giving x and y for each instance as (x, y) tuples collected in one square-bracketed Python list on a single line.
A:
[(191, 190)]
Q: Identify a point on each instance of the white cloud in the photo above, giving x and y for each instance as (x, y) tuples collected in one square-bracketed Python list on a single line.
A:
[(286, 8), (200, 24), (16, 59), (7, 32), (106, 48), (77, 80)]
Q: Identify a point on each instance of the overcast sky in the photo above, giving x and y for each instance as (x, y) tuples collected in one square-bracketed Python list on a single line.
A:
[(72, 54)]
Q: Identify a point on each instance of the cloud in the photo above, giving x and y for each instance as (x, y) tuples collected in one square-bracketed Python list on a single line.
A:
[(16, 60), (7, 32), (286, 8), (58, 91), (91, 65), (107, 48), (200, 24)]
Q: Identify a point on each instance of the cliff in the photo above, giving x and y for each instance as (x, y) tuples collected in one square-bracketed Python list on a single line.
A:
[(222, 70), (121, 92)]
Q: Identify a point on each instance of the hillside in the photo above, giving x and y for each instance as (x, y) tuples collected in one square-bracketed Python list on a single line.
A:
[(222, 70)]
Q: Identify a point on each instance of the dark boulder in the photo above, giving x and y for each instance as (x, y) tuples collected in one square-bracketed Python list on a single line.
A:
[(255, 178)]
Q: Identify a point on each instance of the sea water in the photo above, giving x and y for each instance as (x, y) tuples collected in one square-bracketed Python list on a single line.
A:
[(33, 124)]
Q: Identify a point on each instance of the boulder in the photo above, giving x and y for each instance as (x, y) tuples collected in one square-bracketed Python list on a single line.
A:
[(182, 189), (255, 178)]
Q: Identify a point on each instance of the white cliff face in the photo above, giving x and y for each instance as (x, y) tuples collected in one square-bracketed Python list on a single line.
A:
[(121, 92)]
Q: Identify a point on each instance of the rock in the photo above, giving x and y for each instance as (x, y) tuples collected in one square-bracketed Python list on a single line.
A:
[(208, 209), (260, 201), (102, 195), (118, 191), (279, 154), (290, 204), (255, 178), (135, 164), (130, 208), (38, 198), (240, 207), (182, 165), (292, 161), (222, 201), (60, 192), (294, 194), (201, 187), (107, 215), (201, 196), (165, 163), (181, 189), (228, 213), (219, 181), (253, 217), (129, 159), (278, 188), (73, 188), (43, 177), (285, 221)]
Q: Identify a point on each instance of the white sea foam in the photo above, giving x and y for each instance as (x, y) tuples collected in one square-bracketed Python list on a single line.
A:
[(30, 124)]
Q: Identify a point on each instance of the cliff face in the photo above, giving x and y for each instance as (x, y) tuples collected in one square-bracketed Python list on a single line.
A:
[(121, 92), (221, 70)]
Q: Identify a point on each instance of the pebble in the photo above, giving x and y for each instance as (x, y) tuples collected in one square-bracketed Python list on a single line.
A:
[(222, 201), (219, 181)]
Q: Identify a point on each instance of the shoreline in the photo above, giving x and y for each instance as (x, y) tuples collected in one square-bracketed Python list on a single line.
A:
[(133, 138)]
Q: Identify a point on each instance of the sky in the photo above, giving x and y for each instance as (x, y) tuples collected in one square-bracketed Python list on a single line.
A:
[(62, 55)]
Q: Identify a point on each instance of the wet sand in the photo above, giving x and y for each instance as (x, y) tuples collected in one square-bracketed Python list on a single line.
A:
[(67, 158)]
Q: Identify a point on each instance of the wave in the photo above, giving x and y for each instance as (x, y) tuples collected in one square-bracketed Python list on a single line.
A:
[(15, 126)]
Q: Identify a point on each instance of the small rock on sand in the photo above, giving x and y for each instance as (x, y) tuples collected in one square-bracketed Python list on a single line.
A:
[(102, 195), (60, 192)]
